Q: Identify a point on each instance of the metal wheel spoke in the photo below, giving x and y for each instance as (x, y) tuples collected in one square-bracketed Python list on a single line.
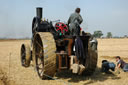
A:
[(39, 68), (23, 54), (23, 61), (40, 64), (39, 45), (22, 49), (40, 51), (41, 73), (37, 54)]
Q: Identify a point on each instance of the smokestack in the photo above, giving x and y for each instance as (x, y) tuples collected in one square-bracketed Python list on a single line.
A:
[(39, 12)]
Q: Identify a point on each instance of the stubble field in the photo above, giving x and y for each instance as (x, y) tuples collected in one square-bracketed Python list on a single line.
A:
[(12, 73)]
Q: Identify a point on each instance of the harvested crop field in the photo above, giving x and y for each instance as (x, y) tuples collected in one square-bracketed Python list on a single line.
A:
[(12, 73)]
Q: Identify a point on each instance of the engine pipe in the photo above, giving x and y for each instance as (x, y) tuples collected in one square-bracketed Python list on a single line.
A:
[(39, 12)]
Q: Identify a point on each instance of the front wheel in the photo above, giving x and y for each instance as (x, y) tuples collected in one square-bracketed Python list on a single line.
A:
[(25, 55)]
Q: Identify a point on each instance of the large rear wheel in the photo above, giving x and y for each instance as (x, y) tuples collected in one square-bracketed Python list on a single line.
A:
[(91, 60), (44, 55)]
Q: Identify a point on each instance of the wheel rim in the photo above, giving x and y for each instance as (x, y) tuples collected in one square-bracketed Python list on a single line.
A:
[(39, 59)]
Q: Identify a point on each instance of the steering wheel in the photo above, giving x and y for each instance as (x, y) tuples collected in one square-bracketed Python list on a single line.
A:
[(61, 27)]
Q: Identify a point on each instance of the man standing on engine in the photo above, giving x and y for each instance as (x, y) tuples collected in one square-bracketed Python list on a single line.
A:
[(74, 22)]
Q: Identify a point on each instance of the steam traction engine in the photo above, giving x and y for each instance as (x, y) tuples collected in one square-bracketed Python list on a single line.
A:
[(51, 47)]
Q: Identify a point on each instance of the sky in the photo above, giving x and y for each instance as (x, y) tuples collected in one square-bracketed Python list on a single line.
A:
[(106, 15)]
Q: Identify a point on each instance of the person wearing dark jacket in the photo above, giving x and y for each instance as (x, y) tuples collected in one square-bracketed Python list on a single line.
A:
[(74, 22), (106, 65), (121, 64)]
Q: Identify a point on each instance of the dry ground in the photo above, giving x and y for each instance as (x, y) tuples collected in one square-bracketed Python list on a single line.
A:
[(13, 74)]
